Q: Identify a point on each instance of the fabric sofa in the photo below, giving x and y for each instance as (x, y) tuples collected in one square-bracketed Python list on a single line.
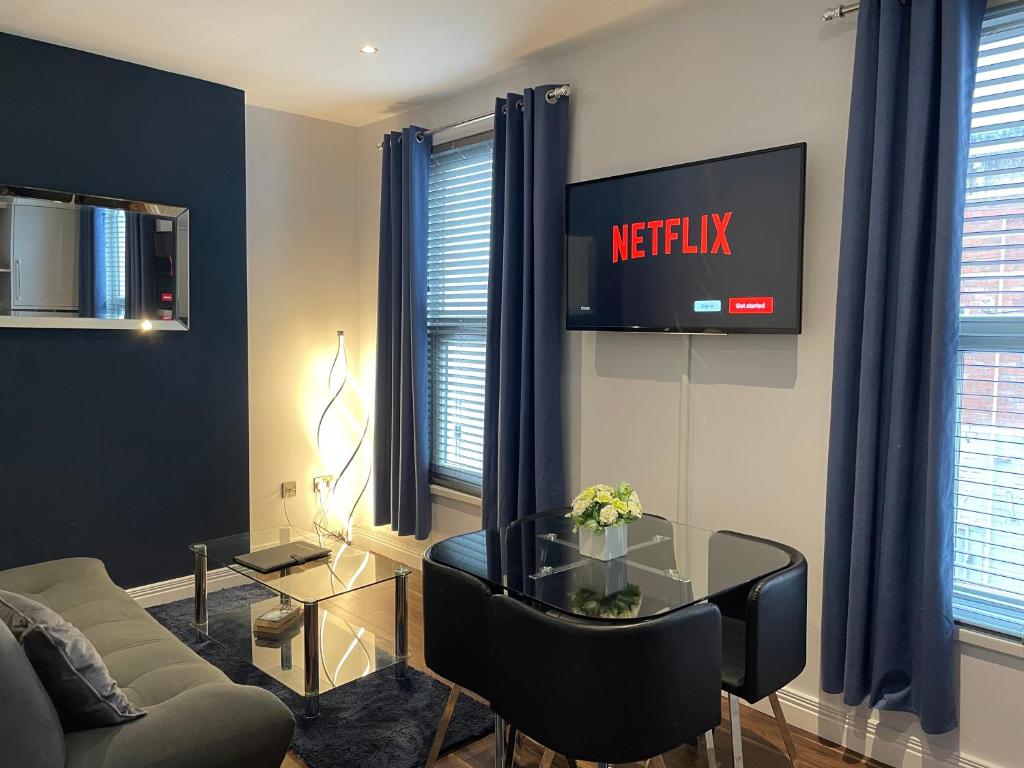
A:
[(195, 715)]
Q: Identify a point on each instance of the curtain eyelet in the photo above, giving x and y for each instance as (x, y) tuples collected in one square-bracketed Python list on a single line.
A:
[(504, 108), (520, 105), (419, 137)]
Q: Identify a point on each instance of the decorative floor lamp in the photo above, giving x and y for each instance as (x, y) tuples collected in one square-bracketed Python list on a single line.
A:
[(340, 492)]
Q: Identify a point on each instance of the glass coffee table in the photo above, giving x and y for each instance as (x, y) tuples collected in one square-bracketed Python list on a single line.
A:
[(335, 649)]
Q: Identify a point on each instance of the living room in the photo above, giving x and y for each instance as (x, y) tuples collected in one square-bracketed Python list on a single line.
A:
[(326, 308)]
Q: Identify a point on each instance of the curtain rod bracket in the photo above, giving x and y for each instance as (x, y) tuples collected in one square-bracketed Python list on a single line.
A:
[(840, 11)]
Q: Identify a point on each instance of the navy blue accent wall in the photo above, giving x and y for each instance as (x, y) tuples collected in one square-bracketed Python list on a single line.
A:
[(115, 444)]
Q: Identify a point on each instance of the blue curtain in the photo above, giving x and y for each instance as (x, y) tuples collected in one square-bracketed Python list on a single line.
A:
[(887, 623), (523, 468), (139, 272), (401, 449)]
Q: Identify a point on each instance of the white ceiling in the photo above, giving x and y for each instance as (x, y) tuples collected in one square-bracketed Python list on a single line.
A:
[(300, 55)]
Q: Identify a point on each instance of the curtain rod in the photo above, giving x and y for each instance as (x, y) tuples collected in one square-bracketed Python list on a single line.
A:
[(841, 10), (552, 96)]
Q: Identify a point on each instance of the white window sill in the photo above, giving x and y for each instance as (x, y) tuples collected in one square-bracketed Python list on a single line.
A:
[(441, 492), (997, 643)]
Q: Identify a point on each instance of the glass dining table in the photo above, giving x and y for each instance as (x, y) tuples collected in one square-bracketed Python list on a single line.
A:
[(667, 566)]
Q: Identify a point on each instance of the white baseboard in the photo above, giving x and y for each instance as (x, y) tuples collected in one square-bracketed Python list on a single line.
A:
[(182, 587), (851, 728), (403, 549)]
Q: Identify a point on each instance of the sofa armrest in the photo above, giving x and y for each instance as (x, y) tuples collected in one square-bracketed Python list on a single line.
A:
[(216, 725)]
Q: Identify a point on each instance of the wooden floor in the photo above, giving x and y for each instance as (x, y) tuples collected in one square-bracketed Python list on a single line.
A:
[(373, 608)]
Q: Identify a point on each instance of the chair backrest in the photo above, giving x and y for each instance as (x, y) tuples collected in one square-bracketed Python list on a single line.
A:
[(455, 625), (612, 693), (30, 730), (774, 610)]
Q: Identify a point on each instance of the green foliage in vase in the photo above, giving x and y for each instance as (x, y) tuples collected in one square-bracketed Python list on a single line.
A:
[(604, 506), (624, 604)]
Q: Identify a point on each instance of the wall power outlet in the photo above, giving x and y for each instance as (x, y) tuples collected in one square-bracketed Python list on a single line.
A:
[(288, 489), (322, 483)]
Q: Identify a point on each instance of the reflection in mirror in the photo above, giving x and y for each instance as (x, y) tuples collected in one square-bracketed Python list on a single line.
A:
[(69, 260)]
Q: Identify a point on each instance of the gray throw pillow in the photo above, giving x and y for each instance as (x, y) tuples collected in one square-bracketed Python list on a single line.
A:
[(69, 667)]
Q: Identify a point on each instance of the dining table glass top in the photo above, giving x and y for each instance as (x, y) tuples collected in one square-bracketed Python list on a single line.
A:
[(667, 565)]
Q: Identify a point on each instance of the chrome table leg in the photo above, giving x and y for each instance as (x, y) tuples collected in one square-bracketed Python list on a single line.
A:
[(499, 742), (402, 618), (311, 660), (737, 731), (202, 618)]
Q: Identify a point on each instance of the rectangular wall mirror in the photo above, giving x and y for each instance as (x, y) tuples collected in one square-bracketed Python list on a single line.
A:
[(75, 261)]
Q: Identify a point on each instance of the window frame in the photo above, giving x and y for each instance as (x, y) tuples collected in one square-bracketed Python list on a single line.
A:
[(446, 476)]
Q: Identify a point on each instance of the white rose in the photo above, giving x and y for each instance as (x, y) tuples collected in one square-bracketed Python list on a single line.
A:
[(579, 506), (608, 514)]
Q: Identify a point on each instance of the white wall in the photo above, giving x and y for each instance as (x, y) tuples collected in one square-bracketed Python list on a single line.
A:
[(731, 433), (301, 191)]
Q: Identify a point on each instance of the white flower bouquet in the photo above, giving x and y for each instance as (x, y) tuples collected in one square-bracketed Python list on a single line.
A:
[(601, 506)]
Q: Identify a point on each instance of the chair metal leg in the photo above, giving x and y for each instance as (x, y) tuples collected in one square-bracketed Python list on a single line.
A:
[(510, 746), (442, 728), (737, 731), (709, 749), (787, 737)]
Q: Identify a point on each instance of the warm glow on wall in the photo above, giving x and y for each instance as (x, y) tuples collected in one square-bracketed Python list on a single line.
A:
[(342, 437)]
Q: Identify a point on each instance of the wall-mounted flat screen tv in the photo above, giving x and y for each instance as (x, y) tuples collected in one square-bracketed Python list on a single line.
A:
[(709, 247)]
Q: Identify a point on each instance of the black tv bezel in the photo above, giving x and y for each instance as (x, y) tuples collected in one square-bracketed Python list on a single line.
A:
[(695, 330)]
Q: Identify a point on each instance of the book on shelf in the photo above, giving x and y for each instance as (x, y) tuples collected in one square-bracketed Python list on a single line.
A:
[(277, 621)]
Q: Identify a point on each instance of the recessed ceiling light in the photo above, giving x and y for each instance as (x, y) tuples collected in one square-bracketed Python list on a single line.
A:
[(368, 49)]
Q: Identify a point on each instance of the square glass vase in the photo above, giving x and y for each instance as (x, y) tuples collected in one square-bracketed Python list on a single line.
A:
[(610, 544)]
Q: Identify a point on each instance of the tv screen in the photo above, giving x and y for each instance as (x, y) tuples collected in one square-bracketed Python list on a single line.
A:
[(709, 247)]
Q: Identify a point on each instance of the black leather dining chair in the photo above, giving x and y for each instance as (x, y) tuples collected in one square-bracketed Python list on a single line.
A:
[(764, 634), (603, 692), (455, 635)]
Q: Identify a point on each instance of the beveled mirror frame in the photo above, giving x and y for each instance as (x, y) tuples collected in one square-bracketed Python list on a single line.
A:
[(9, 193)]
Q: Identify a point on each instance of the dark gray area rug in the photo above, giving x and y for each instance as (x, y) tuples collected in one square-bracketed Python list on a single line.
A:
[(379, 721)]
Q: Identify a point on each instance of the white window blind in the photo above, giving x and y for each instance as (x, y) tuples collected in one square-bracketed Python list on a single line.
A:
[(111, 262), (459, 225), (989, 533)]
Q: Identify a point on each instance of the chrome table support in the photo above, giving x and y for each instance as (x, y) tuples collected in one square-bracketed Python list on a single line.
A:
[(499, 742), (787, 737), (402, 618), (709, 748), (202, 618), (311, 660), (737, 731)]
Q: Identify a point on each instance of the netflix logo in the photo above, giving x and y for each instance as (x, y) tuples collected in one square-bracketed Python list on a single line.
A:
[(663, 237)]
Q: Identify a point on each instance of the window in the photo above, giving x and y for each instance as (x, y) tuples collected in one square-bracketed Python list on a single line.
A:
[(110, 236), (459, 232), (989, 533)]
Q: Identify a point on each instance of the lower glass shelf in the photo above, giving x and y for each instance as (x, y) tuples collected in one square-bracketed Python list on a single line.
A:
[(348, 651)]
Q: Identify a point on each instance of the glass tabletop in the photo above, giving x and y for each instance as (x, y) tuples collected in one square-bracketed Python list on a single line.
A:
[(347, 569), (667, 566)]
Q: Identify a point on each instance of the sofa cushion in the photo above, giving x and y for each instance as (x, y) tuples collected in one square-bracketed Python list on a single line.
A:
[(68, 665), (29, 727)]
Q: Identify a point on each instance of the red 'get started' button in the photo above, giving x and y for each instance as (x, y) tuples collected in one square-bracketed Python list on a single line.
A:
[(751, 305)]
